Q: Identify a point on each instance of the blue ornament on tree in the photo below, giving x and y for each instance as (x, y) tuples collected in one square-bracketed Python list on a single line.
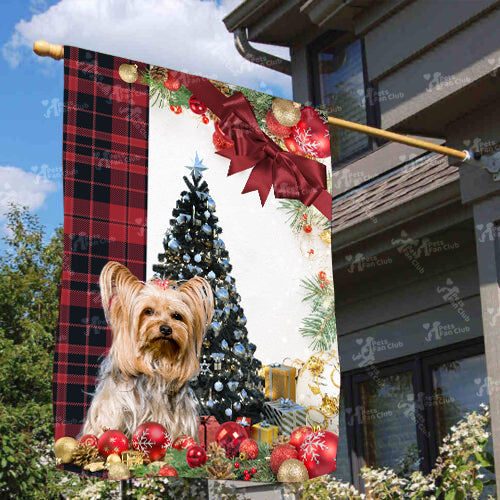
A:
[(206, 229), (222, 294), (174, 245), (211, 275), (186, 258), (197, 258)]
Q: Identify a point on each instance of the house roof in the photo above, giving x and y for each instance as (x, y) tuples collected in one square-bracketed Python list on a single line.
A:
[(400, 186)]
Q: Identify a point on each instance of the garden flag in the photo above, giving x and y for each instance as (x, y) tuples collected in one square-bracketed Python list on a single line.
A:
[(197, 332)]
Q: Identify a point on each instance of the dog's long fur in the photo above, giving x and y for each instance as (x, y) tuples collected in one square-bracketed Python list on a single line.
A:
[(144, 377)]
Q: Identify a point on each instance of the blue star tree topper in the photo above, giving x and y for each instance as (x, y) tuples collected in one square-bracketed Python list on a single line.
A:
[(197, 167)]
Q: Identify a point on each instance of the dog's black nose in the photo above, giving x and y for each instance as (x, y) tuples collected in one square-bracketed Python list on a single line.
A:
[(166, 330)]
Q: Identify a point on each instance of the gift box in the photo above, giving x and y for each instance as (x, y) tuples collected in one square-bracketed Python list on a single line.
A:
[(207, 430), (264, 432), (246, 423), (286, 414), (280, 381)]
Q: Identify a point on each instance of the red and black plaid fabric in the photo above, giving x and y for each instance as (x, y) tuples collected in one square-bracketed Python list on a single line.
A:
[(105, 201)]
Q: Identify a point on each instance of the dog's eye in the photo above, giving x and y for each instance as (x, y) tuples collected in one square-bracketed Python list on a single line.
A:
[(148, 312), (177, 316)]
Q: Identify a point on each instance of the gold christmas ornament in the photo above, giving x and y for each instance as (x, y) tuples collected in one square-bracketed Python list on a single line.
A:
[(132, 458), (64, 449), (158, 74), (95, 466), (243, 456), (113, 459), (292, 471), (118, 470), (329, 406), (326, 237), (315, 365), (84, 454), (286, 112), (128, 72)]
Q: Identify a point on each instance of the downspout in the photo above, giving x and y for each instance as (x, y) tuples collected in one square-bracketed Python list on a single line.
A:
[(257, 56)]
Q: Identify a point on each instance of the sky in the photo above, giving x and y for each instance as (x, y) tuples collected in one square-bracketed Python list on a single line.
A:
[(188, 36)]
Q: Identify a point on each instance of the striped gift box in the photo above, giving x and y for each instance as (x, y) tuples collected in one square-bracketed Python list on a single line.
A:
[(286, 414)]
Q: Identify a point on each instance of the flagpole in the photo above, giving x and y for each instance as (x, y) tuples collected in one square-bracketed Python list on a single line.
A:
[(45, 49)]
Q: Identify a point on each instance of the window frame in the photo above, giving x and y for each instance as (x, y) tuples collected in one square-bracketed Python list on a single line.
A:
[(420, 364), (338, 39)]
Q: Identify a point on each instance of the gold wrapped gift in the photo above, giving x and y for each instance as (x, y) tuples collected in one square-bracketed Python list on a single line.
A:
[(280, 381), (264, 432)]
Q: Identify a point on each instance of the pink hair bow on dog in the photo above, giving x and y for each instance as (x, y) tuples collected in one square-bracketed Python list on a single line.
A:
[(162, 283)]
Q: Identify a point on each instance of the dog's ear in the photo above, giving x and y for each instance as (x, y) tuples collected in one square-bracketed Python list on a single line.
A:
[(198, 295), (118, 286)]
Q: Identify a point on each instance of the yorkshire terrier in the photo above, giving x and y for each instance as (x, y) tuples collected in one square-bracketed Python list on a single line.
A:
[(158, 328)]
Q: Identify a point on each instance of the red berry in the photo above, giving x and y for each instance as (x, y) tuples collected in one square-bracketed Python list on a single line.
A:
[(237, 465), (304, 217), (245, 472), (246, 478), (205, 119), (253, 471), (176, 109), (322, 275), (327, 282), (322, 285), (307, 228)]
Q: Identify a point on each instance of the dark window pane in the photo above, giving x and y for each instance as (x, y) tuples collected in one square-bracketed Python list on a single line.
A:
[(389, 427), (459, 388), (343, 472), (342, 90)]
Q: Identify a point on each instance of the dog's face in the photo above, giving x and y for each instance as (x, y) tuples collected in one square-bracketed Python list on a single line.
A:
[(157, 330)]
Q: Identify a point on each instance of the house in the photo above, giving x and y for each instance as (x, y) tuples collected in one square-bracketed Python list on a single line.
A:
[(416, 246)]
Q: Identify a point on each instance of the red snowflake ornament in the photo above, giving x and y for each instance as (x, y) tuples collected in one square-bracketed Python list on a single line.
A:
[(152, 439), (318, 452), (311, 134)]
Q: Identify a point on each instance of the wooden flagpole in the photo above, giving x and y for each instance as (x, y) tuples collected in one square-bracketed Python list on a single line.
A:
[(45, 49)]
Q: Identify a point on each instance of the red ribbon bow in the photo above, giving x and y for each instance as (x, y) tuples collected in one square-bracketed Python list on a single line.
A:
[(291, 176)]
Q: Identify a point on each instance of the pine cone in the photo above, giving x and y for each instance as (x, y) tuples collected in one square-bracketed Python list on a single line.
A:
[(219, 469), (279, 440), (222, 87), (158, 74), (84, 454), (215, 452)]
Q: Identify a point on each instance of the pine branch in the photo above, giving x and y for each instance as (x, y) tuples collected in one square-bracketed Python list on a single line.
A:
[(161, 96), (320, 327), (295, 210)]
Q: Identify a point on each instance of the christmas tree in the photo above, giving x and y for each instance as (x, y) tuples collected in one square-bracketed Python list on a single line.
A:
[(228, 385)]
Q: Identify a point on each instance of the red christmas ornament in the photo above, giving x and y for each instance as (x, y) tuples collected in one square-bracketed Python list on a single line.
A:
[(311, 134), (176, 109), (152, 439), (281, 453), (183, 442), (298, 436), (196, 456), (230, 436), (220, 140), (196, 106), (112, 441), (89, 440), (307, 228), (168, 471), (237, 465), (275, 126), (322, 275), (250, 447), (292, 146), (205, 119), (171, 83), (319, 453)]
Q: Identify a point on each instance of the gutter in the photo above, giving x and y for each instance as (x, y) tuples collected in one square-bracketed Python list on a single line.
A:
[(258, 56)]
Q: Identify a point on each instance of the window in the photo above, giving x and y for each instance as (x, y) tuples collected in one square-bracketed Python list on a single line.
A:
[(339, 85), (397, 413)]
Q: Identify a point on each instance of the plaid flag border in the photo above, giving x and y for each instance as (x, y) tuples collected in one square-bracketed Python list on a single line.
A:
[(105, 168)]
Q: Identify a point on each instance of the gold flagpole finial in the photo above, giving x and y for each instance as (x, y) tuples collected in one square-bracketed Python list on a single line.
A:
[(46, 49)]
